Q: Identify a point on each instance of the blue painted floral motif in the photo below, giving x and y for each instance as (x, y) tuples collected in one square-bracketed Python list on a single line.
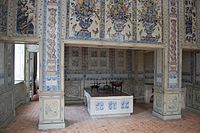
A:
[(149, 17), (119, 14), (112, 105), (25, 16), (124, 104), (52, 87), (84, 11), (99, 106), (119, 10)]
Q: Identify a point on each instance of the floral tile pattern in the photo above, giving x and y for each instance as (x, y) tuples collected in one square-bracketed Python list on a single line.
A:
[(84, 19), (124, 104), (115, 20), (118, 20), (149, 21), (99, 105), (26, 17), (112, 105)]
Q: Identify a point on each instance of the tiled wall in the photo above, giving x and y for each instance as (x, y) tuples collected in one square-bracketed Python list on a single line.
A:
[(190, 21), (116, 20), (191, 79), (129, 20), (149, 67), (187, 68), (191, 68), (83, 65)]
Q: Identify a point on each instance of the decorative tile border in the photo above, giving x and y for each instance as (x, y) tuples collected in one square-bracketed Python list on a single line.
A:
[(51, 45), (173, 59)]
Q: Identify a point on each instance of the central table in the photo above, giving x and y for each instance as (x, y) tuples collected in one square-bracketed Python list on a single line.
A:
[(108, 103)]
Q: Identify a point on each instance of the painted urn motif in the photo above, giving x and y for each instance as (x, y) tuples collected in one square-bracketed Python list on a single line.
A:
[(149, 19), (119, 15), (84, 11)]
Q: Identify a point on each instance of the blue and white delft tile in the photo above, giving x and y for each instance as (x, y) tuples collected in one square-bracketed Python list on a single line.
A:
[(99, 106), (125, 105), (112, 105)]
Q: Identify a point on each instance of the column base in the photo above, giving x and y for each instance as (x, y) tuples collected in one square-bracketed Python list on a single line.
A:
[(51, 111), (46, 126), (166, 117)]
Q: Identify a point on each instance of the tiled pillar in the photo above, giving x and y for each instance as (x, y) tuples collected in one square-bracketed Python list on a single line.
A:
[(167, 94), (51, 65)]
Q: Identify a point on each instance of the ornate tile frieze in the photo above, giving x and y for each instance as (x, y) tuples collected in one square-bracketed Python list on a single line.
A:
[(115, 20), (84, 19), (173, 48), (51, 45), (149, 21), (118, 20)]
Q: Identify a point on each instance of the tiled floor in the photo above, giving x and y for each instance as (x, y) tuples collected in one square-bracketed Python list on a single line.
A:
[(80, 122)]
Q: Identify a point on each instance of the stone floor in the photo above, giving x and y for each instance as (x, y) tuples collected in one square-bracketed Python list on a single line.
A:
[(80, 122)]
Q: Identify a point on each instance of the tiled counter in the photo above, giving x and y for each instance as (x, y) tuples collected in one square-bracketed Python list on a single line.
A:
[(109, 106)]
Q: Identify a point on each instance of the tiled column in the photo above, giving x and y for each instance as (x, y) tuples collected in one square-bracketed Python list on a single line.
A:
[(51, 65), (167, 94)]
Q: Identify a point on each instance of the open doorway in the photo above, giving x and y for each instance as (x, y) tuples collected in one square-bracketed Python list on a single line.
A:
[(32, 71), (26, 72)]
